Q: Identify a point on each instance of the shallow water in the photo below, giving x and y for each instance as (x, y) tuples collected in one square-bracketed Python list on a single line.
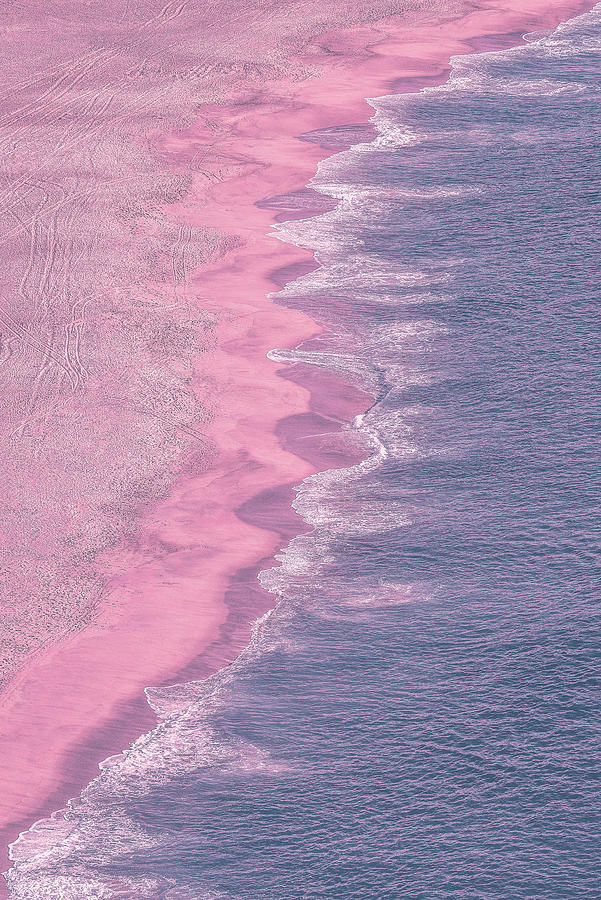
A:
[(417, 717)]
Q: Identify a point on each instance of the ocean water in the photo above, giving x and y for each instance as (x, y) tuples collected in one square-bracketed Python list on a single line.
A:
[(419, 715)]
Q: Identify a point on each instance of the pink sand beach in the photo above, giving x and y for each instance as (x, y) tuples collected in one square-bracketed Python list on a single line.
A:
[(177, 589)]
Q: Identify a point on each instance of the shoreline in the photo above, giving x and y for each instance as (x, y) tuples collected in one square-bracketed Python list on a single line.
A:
[(240, 507)]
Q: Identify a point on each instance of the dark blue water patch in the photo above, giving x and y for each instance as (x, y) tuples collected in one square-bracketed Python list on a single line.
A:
[(470, 781)]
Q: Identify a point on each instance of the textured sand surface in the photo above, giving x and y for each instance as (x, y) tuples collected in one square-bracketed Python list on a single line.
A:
[(99, 325)]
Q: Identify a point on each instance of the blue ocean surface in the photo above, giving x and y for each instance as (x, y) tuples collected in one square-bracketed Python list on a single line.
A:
[(419, 715)]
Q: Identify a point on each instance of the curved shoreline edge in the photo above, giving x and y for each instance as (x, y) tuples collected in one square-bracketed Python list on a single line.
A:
[(203, 547)]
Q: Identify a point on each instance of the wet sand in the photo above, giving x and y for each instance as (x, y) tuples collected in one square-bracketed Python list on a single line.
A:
[(183, 593)]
